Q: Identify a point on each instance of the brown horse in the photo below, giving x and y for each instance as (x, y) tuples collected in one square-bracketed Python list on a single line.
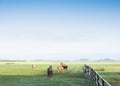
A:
[(65, 67), (50, 72), (59, 69), (62, 68)]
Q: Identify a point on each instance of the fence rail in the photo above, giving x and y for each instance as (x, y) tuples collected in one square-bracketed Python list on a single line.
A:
[(94, 78)]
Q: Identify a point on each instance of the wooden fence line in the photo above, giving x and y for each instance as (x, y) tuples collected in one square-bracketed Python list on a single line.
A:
[(94, 78)]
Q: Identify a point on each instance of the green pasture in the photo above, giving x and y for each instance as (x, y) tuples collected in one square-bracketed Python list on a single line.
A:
[(21, 74)]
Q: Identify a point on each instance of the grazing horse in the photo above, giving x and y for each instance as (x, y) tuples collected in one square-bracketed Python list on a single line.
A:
[(65, 67), (33, 67), (62, 68), (50, 72)]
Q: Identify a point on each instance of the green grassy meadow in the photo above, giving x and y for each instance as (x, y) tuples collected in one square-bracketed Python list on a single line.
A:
[(21, 74)]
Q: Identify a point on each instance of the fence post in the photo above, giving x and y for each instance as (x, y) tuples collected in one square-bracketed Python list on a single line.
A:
[(94, 77), (98, 84), (103, 83)]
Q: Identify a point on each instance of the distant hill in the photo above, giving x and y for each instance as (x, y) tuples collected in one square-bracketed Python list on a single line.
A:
[(62, 60), (105, 60), (12, 60), (83, 60)]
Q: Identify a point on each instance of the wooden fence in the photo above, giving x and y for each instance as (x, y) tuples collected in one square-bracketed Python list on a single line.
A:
[(94, 78)]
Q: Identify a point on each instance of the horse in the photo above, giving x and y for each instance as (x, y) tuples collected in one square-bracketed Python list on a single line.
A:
[(50, 72), (62, 68), (65, 67), (33, 66)]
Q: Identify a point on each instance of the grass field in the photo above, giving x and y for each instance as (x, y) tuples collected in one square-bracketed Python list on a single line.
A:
[(21, 74)]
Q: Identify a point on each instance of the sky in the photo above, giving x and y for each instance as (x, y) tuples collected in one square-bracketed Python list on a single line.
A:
[(59, 29)]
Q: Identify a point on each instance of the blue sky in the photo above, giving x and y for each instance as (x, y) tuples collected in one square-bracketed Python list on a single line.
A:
[(59, 29)]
